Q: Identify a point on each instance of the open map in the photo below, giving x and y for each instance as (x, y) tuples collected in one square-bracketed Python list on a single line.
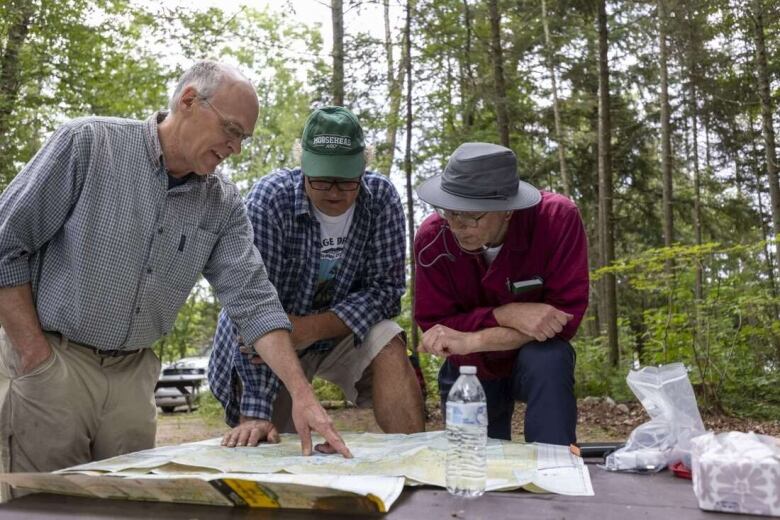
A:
[(277, 475)]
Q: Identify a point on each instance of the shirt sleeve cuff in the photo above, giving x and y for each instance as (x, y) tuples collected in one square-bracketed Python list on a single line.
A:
[(489, 319), (15, 273), (256, 407), (352, 319), (263, 324)]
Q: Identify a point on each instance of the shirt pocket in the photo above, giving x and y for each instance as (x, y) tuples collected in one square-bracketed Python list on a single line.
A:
[(189, 251), (532, 295), (527, 290)]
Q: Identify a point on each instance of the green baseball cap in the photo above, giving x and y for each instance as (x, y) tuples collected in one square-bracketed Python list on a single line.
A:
[(333, 144)]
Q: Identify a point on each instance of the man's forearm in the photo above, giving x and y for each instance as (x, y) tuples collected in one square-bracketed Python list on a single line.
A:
[(539, 321), (317, 327), (18, 317), (277, 351), (498, 338), (505, 315), (20, 322), (308, 415)]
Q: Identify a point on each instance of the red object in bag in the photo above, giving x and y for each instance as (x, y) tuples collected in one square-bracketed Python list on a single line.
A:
[(681, 470)]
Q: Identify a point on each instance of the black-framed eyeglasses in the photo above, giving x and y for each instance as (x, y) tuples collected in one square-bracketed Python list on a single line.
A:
[(231, 128), (327, 184), (466, 218)]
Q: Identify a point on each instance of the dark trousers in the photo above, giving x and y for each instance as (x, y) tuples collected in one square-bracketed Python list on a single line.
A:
[(543, 378)]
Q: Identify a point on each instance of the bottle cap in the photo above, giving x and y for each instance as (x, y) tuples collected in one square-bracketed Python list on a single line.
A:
[(468, 370)]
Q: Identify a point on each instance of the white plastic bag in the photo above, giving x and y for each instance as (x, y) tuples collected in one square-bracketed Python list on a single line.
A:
[(667, 395)]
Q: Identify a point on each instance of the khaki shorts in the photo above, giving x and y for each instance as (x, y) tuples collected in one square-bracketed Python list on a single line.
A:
[(77, 406), (347, 366)]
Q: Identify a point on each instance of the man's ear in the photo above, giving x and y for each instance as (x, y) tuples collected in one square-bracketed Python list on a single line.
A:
[(508, 215), (188, 97)]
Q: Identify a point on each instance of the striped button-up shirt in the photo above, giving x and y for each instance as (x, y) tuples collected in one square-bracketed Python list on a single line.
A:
[(112, 253), (368, 285)]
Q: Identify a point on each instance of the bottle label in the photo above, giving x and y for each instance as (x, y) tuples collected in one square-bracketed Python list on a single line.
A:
[(467, 414)]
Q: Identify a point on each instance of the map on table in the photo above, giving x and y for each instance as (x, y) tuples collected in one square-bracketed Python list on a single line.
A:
[(278, 476)]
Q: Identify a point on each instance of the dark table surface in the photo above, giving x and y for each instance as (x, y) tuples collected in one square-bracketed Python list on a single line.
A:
[(618, 496)]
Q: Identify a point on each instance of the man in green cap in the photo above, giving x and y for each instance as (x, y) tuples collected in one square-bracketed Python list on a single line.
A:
[(331, 235)]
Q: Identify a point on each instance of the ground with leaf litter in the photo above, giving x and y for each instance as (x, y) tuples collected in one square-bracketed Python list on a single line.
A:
[(600, 419)]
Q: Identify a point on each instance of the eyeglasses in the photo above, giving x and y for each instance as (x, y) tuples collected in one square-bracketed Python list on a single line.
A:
[(231, 129), (325, 185), (466, 218)]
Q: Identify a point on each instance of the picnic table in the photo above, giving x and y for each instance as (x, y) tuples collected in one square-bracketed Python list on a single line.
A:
[(188, 387), (618, 496)]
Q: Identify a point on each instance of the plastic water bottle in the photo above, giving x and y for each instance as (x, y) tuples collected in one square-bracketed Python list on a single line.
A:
[(466, 435)]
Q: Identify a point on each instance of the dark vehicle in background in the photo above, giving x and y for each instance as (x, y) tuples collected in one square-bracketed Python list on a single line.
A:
[(181, 383)]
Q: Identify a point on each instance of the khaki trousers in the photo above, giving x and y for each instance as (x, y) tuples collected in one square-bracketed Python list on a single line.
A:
[(76, 407)]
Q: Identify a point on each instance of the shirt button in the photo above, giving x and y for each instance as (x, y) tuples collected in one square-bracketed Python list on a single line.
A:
[(137, 310), (160, 231), (149, 270)]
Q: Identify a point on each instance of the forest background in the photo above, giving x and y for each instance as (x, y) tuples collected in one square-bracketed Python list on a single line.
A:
[(656, 117)]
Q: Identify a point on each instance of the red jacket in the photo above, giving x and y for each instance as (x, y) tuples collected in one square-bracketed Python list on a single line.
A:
[(460, 290)]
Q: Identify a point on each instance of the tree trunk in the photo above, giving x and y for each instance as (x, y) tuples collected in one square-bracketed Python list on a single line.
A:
[(770, 258), (408, 162), (395, 82), (596, 305), (337, 17), (666, 133), (550, 53), (606, 223), (762, 70), (696, 189), (22, 12), (737, 164), (502, 113), (694, 111), (707, 152), (467, 85)]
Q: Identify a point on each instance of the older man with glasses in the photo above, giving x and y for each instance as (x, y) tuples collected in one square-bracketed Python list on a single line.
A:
[(502, 284), (332, 238), (103, 235)]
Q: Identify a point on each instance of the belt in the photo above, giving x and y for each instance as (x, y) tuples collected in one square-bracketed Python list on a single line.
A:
[(109, 353), (99, 351)]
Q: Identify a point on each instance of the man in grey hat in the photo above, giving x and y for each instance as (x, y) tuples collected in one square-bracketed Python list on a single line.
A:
[(502, 284), (331, 235)]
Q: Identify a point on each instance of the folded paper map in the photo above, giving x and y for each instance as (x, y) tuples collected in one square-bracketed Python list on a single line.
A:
[(277, 476)]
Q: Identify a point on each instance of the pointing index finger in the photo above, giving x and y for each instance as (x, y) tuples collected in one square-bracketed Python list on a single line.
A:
[(336, 442)]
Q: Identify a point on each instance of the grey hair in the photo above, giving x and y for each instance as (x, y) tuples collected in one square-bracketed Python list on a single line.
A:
[(297, 152), (205, 76)]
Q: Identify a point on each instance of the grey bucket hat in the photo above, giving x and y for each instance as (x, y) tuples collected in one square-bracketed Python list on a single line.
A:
[(479, 177)]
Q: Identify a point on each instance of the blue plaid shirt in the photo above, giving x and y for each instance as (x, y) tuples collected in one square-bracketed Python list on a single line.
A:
[(368, 285)]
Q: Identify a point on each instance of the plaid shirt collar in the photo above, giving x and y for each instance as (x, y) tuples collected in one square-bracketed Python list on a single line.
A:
[(155, 151)]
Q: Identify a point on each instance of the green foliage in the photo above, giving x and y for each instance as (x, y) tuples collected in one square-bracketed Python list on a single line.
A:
[(730, 339), (210, 409), (282, 59), (593, 375), (78, 58), (194, 327), (327, 391)]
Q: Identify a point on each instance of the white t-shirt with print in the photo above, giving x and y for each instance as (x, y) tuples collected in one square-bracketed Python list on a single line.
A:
[(334, 232)]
